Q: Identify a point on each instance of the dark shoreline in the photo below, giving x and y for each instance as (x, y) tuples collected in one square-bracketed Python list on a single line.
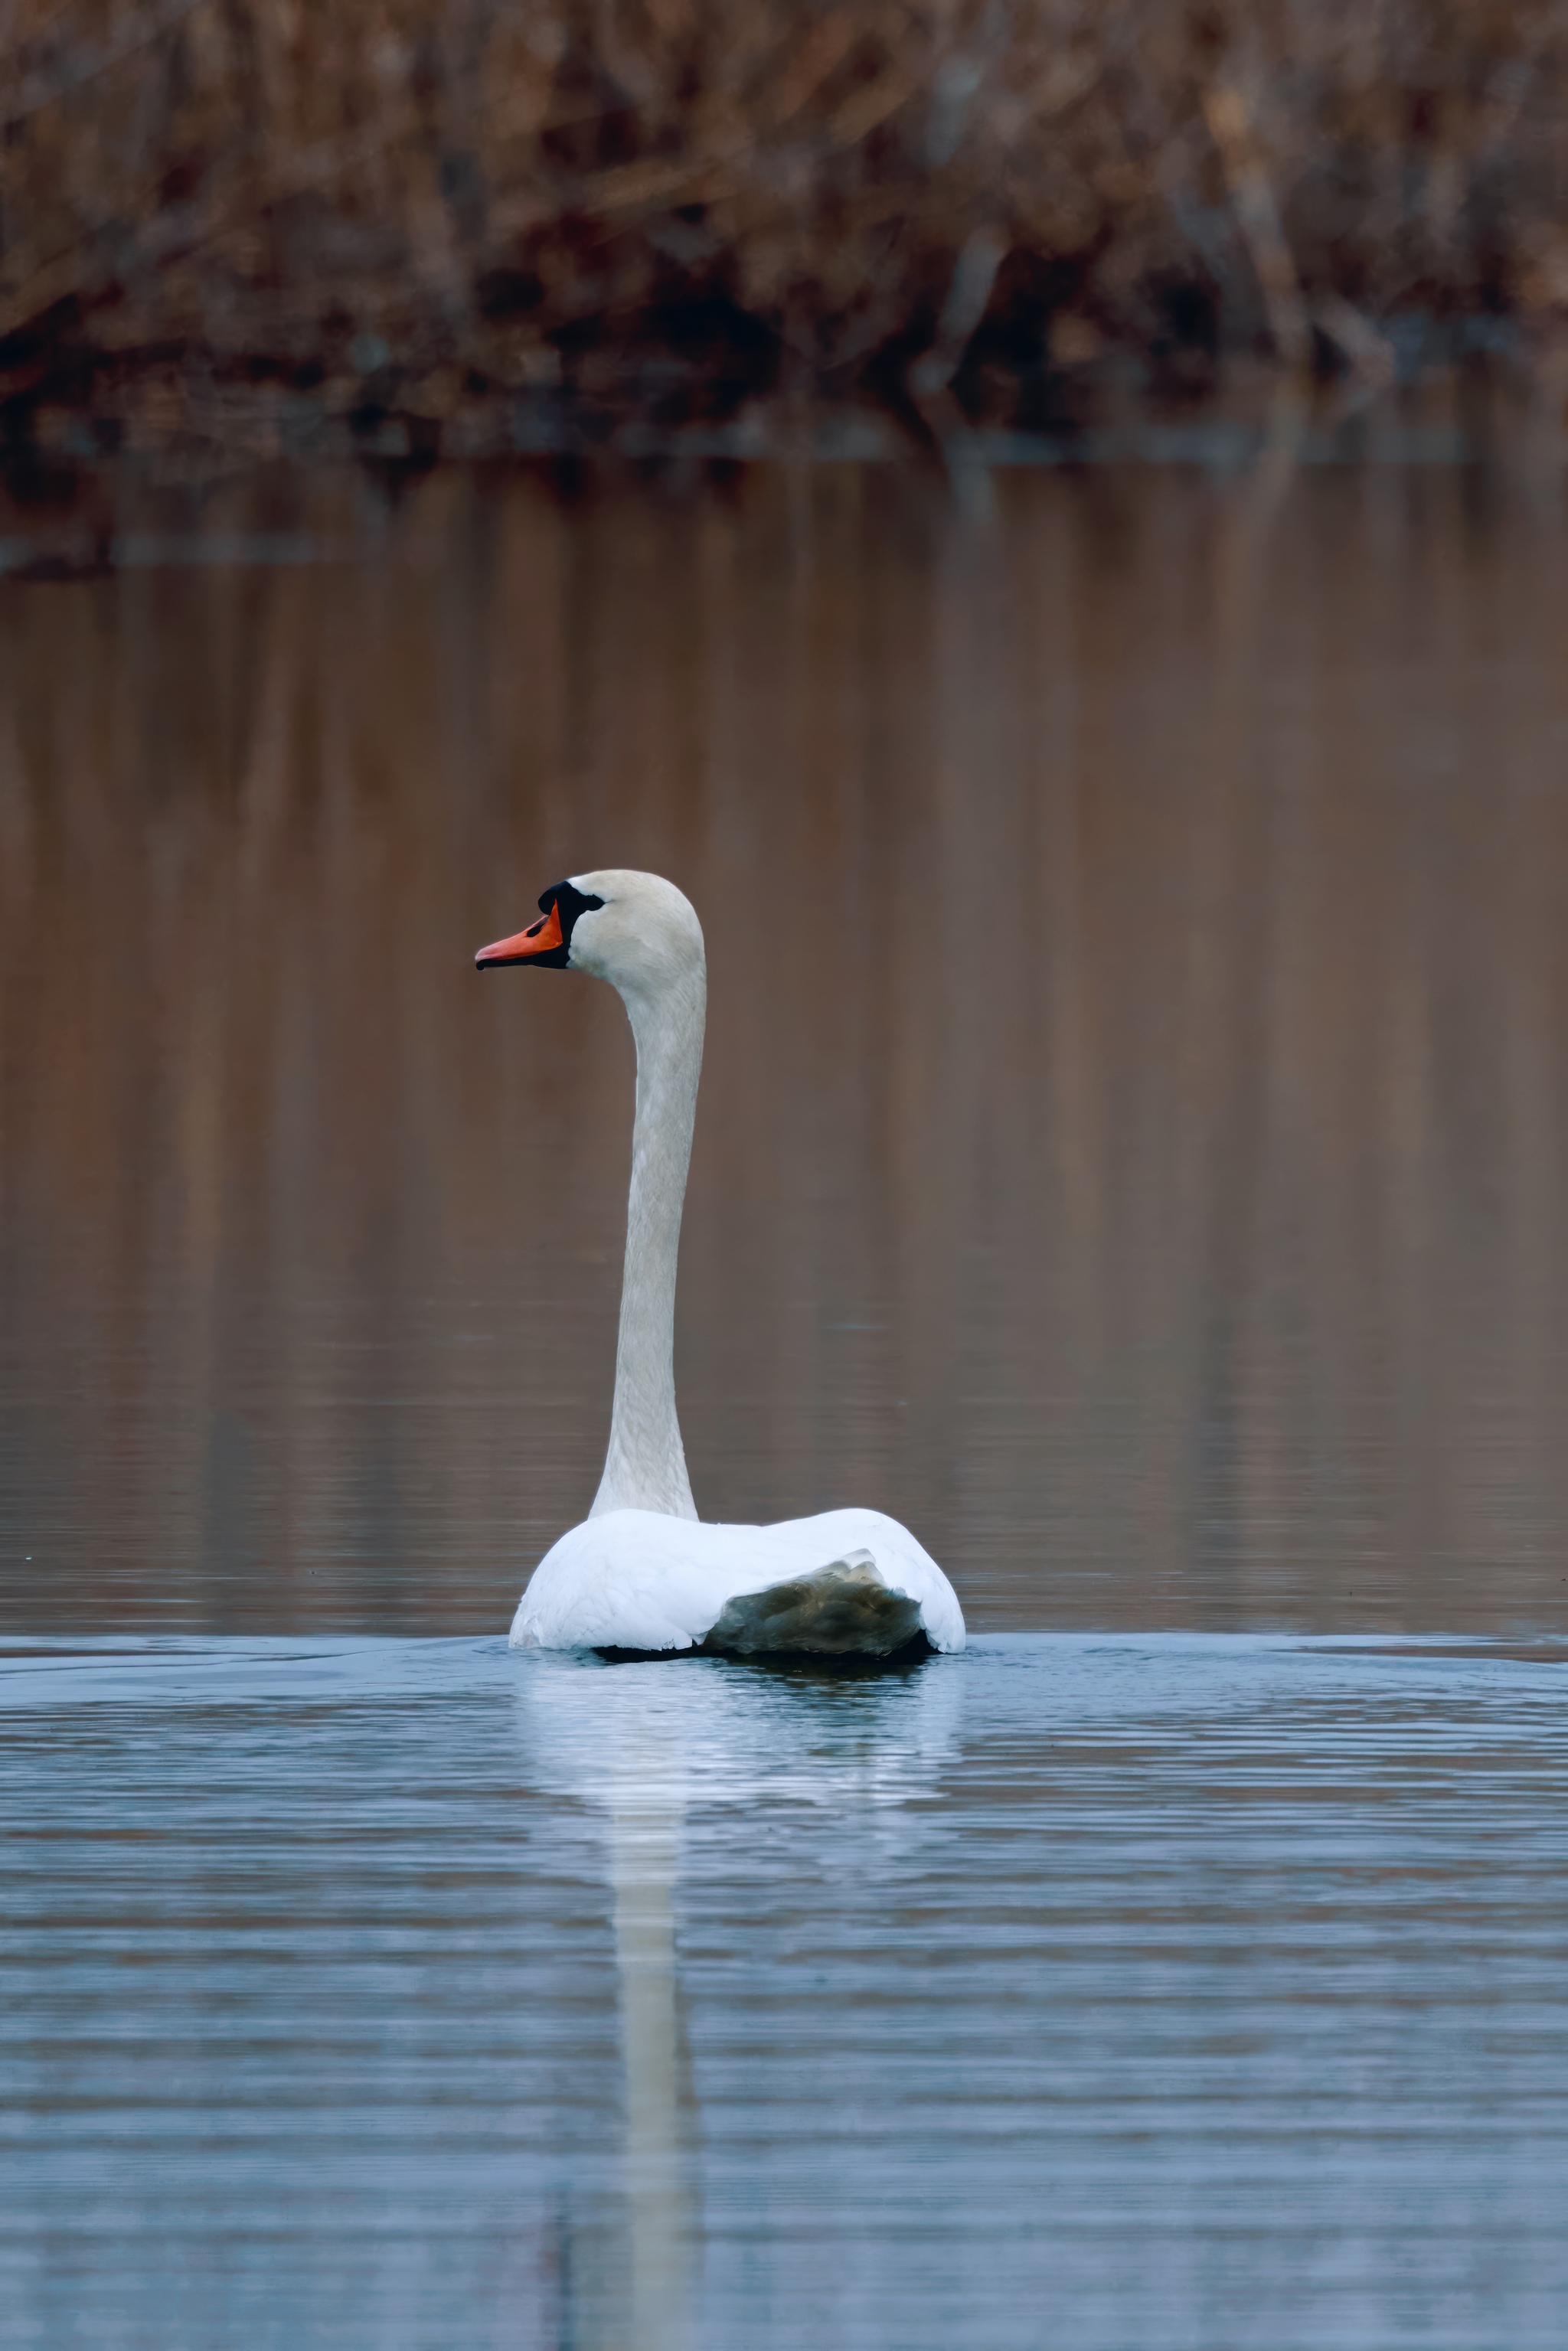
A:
[(409, 232), (78, 509)]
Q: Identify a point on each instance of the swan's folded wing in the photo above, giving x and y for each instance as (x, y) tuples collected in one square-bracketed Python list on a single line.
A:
[(841, 1609)]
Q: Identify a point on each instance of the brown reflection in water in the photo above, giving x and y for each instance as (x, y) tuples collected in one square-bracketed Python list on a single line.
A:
[(1131, 1144)]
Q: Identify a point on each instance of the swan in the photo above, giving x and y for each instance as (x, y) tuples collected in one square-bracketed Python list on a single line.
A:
[(642, 1573)]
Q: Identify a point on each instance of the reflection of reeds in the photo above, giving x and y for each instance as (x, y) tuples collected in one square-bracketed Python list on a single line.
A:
[(1131, 1144), (402, 206)]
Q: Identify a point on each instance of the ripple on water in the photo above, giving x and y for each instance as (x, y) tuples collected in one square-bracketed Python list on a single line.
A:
[(1096, 1991)]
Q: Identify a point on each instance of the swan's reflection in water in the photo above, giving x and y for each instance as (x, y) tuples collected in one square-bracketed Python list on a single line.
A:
[(658, 1747), (661, 2187)]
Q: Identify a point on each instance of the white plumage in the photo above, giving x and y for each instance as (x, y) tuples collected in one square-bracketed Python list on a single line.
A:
[(643, 1573), (643, 1580)]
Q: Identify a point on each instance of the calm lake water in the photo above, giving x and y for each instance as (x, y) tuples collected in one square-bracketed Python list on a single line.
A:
[(1198, 1992), (1132, 1150)]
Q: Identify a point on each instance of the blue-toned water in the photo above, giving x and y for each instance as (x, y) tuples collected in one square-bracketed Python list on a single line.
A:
[(1200, 1993)]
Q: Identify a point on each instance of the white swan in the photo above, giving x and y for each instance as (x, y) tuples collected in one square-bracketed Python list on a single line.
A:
[(642, 1573)]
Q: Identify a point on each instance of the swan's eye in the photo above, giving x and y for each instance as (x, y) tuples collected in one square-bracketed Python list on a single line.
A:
[(567, 903)]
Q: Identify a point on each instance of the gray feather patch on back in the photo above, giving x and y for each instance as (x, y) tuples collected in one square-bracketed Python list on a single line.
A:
[(843, 1609)]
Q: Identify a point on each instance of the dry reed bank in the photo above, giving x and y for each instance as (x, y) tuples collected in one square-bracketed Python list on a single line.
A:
[(278, 224)]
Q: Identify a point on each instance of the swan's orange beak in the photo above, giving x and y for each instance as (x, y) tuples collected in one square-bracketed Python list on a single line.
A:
[(540, 938)]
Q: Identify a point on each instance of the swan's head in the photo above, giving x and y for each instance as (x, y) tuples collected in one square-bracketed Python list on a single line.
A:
[(635, 930)]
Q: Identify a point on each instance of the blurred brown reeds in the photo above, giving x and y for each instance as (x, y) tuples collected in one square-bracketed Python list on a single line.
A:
[(401, 209)]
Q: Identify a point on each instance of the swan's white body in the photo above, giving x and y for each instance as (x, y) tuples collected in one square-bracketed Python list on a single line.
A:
[(642, 1573), (641, 1580)]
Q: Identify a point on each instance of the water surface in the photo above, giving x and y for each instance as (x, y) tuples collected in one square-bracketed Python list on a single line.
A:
[(1132, 1145), (1131, 1150), (1202, 1993)]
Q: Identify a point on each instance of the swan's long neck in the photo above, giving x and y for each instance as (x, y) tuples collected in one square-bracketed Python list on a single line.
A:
[(645, 1467)]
